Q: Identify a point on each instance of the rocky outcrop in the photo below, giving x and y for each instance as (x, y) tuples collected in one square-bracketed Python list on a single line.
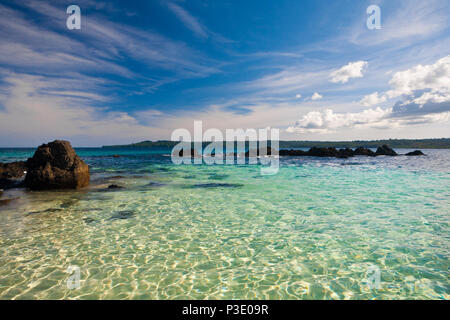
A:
[(56, 166), (293, 153), (415, 153), (342, 153), (11, 174), (385, 150), (13, 170), (363, 152)]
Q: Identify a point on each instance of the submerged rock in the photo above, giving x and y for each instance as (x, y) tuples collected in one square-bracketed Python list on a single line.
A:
[(155, 184), (415, 153), (385, 150), (123, 215), (56, 166), (49, 210), (4, 202), (88, 220), (218, 185), (115, 187)]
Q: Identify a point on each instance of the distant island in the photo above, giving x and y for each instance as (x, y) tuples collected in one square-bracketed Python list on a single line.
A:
[(443, 143)]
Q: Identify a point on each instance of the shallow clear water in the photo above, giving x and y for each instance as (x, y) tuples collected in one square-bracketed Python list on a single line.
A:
[(312, 231)]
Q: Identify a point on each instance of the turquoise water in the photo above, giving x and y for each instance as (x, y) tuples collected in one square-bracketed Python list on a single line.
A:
[(312, 231)]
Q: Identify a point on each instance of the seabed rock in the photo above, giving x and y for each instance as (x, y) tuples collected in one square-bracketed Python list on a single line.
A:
[(4, 202), (121, 215), (115, 187)]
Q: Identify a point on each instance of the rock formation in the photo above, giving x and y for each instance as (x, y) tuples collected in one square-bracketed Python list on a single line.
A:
[(415, 153), (11, 174), (56, 166), (385, 150)]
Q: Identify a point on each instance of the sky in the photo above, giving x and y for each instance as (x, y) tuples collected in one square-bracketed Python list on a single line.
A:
[(138, 70)]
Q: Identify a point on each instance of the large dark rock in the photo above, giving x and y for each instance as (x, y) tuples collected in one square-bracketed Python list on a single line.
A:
[(56, 166), (385, 150), (415, 153)]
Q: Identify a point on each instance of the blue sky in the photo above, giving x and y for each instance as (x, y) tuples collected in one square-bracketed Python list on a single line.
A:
[(137, 70)]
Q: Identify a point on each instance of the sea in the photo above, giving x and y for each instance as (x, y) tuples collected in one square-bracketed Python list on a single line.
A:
[(320, 228)]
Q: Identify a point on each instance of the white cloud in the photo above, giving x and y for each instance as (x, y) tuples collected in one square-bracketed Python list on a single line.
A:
[(433, 77), (326, 121), (436, 96), (316, 96), (298, 95), (289, 80), (372, 99), (38, 109), (103, 46), (351, 70)]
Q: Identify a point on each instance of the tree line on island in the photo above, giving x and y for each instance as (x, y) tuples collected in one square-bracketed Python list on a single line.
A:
[(443, 143)]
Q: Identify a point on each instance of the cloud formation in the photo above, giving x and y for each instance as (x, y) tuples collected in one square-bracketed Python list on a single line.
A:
[(425, 93), (372, 99), (327, 121), (351, 70), (189, 21), (316, 96), (432, 80)]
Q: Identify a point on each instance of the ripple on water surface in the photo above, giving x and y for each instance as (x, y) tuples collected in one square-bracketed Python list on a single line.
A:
[(313, 231)]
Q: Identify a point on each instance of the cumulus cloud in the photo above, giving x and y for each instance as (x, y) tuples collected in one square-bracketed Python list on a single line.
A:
[(298, 95), (351, 70), (316, 96), (425, 98), (433, 78), (327, 121), (372, 99)]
